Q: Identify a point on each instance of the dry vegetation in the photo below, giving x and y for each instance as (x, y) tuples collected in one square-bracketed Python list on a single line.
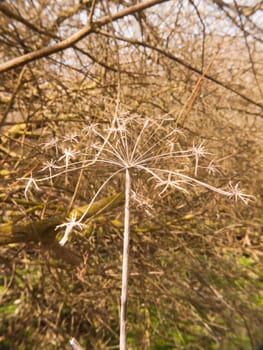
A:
[(170, 91)]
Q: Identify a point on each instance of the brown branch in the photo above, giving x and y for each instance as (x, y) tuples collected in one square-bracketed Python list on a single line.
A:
[(12, 99), (8, 11), (186, 65), (73, 39)]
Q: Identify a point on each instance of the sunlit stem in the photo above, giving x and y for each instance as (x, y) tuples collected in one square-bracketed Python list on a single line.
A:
[(125, 261)]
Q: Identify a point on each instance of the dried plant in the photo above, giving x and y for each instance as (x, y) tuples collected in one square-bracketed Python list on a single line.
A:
[(158, 100), (133, 147)]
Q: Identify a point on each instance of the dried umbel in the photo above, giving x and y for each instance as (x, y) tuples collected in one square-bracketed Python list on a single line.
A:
[(135, 148)]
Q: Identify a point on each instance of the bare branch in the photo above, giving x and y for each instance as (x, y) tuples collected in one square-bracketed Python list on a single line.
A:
[(73, 39)]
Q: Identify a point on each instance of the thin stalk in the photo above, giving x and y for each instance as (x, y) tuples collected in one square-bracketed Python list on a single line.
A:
[(125, 261)]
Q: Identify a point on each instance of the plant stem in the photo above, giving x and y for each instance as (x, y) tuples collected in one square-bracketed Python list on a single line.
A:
[(125, 261)]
